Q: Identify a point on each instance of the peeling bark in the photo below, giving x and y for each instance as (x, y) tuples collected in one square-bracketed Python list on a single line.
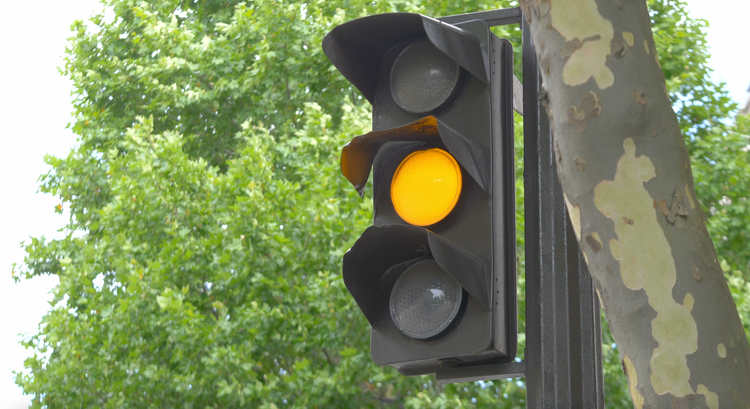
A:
[(594, 242), (580, 164), (628, 37), (617, 48), (580, 115), (640, 97), (627, 367), (628, 187)]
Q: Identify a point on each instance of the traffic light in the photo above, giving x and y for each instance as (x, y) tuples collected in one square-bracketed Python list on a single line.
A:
[(435, 273)]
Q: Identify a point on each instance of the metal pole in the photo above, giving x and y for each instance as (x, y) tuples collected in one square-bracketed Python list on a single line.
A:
[(563, 332), (563, 355)]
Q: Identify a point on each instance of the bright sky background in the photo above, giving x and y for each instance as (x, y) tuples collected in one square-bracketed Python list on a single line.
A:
[(35, 107)]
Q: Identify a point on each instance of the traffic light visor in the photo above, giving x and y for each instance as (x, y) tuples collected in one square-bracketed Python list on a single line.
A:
[(357, 48), (426, 187)]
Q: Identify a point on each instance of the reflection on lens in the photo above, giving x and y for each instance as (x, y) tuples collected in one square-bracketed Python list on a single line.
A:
[(425, 300)]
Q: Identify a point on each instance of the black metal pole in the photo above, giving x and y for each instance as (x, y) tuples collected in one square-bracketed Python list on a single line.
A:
[(563, 355), (563, 334)]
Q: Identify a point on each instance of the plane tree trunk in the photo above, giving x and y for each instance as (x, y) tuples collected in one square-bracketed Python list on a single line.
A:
[(625, 172)]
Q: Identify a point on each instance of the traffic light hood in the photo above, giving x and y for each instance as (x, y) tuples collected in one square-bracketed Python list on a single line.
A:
[(357, 48), (402, 244), (357, 156)]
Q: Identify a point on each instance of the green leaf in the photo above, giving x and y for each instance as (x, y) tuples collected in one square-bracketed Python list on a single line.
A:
[(301, 365), (163, 301)]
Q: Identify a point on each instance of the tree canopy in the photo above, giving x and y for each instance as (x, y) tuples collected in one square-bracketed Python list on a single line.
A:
[(208, 216)]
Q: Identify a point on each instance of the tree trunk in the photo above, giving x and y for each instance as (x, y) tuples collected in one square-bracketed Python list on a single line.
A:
[(625, 172)]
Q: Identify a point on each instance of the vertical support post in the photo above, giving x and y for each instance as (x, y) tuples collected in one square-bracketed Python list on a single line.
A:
[(563, 353)]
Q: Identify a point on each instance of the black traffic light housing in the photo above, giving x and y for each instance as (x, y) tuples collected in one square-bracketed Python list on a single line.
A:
[(475, 243)]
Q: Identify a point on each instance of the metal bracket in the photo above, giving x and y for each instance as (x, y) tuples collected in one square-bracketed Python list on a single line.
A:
[(495, 18), (501, 17), (481, 372)]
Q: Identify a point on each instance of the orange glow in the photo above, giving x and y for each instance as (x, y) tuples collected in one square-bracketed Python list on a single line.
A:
[(426, 187)]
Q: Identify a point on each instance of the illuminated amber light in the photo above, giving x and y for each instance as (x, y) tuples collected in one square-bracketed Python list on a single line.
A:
[(426, 187)]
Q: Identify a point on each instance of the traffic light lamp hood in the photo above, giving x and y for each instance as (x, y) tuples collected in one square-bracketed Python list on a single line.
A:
[(357, 47), (357, 155), (399, 244)]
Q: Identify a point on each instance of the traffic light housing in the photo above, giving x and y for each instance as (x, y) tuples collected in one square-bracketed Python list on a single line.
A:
[(435, 274)]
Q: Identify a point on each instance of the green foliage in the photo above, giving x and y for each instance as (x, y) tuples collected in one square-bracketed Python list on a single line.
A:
[(683, 54), (720, 163), (208, 216)]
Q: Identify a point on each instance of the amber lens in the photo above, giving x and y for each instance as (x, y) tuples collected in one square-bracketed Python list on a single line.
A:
[(426, 187)]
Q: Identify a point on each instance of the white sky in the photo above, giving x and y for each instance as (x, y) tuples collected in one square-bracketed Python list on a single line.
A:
[(35, 107), (727, 38)]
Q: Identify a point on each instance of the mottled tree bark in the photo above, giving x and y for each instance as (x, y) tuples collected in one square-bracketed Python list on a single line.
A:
[(625, 171)]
